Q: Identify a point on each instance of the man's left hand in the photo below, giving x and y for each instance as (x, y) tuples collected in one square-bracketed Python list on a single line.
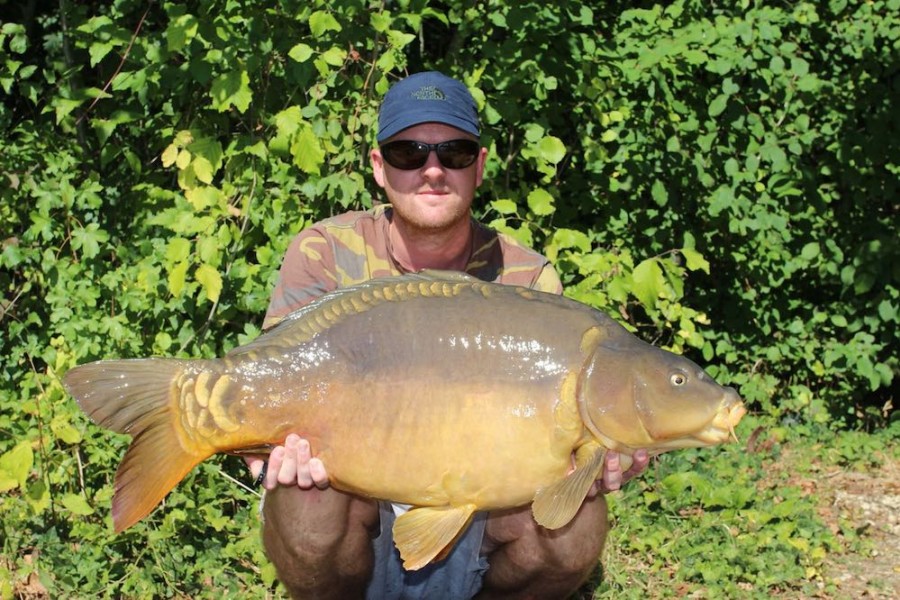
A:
[(613, 476)]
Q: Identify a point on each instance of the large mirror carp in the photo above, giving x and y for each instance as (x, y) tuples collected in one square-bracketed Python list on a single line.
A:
[(436, 390)]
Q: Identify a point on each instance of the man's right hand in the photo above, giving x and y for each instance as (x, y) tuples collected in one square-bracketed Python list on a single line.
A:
[(291, 464)]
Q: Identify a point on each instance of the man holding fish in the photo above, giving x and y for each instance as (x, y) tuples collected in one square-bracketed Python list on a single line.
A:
[(329, 544)]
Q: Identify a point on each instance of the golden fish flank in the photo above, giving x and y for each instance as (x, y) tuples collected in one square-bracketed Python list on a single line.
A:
[(435, 390)]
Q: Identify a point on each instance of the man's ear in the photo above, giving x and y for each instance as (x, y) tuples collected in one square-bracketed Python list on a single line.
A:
[(377, 166), (479, 166)]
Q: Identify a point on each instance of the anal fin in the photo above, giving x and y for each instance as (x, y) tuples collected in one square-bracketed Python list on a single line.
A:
[(556, 504), (424, 533)]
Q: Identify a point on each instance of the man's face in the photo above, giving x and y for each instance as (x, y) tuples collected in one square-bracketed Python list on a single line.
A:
[(432, 197)]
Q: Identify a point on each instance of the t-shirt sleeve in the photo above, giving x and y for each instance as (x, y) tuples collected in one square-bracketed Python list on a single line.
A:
[(548, 280), (307, 272)]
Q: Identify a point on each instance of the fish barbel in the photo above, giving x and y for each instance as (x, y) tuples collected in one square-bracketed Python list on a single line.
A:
[(436, 390)]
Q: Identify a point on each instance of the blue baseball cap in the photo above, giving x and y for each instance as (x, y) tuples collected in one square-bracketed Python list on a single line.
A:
[(428, 97)]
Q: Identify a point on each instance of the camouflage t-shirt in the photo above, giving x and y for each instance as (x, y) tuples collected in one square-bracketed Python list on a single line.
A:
[(354, 247)]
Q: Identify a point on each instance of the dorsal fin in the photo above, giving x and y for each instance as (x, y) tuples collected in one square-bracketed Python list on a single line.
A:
[(306, 322)]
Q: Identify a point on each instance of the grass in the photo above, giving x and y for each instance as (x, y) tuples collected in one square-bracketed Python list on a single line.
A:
[(758, 520)]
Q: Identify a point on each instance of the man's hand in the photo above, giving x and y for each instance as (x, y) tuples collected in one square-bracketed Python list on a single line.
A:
[(614, 477), (291, 464)]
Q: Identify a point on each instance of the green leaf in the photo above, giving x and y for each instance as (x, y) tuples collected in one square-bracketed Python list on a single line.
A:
[(810, 251), (176, 279), (694, 260), (76, 504), (504, 206), (38, 497), (399, 39), (98, 52), (209, 150), (321, 21), (169, 155), (540, 202), (718, 105), (210, 280), (180, 32), (659, 193), (301, 52), (334, 56), (307, 151), (571, 238), (231, 90), (288, 121), (63, 429), (381, 21), (552, 149), (15, 466), (887, 311), (88, 239), (648, 282), (203, 197), (177, 250)]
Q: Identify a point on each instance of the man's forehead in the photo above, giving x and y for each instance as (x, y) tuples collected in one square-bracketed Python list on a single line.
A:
[(431, 132)]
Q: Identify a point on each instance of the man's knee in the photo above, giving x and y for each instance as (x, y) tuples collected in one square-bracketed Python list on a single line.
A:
[(333, 551), (531, 561), (578, 545)]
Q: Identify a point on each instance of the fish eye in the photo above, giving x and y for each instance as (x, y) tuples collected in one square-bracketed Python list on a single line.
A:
[(678, 379)]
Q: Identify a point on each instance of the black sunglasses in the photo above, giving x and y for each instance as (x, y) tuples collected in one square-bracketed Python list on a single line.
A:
[(410, 154)]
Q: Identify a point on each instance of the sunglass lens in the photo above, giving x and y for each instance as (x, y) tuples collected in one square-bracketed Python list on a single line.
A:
[(405, 155), (457, 154)]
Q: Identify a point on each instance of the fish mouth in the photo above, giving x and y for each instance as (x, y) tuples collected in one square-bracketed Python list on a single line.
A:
[(721, 428)]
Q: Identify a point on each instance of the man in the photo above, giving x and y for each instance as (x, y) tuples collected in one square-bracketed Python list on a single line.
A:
[(327, 544)]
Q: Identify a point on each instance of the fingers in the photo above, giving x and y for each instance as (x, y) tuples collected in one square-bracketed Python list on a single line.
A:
[(640, 460), (318, 474), (293, 464), (255, 464), (612, 473), (614, 477), (276, 458)]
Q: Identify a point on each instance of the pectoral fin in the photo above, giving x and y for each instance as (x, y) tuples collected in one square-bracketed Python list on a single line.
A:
[(423, 533), (556, 504)]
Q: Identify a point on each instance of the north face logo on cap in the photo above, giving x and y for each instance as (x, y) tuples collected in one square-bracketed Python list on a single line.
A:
[(428, 92)]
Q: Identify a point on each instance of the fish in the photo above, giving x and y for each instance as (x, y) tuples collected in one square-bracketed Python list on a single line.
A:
[(435, 390)]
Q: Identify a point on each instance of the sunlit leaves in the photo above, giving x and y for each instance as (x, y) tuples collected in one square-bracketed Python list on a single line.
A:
[(301, 52), (210, 280), (180, 32), (231, 90), (88, 239), (540, 202), (77, 505), (321, 22), (15, 466), (307, 150)]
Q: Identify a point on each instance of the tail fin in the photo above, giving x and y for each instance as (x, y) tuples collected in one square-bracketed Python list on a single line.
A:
[(134, 397)]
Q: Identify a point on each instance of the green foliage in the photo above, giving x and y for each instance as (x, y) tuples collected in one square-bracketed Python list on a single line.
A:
[(721, 179), (712, 523)]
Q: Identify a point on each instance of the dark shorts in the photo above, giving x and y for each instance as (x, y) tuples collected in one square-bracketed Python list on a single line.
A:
[(457, 577)]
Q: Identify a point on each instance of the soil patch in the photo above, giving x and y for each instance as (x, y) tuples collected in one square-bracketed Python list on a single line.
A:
[(862, 507)]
